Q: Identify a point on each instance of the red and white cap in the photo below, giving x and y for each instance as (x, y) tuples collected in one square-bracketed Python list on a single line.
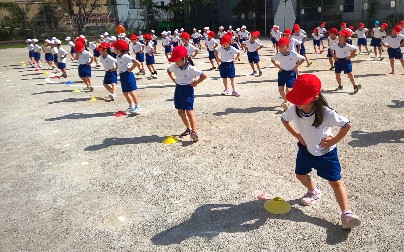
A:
[(305, 88)]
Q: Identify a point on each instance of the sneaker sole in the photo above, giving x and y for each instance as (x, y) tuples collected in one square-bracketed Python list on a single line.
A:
[(352, 224), (318, 197)]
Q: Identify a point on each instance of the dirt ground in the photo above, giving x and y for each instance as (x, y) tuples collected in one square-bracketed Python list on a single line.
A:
[(76, 178)]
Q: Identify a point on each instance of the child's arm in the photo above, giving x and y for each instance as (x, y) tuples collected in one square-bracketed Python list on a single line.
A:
[(135, 64), (333, 55), (91, 61), (298, 64), (199, 80), (237, 57), (171, 75), (259, 48), (332, 140), (353, 52), (194, 54), (217, 56), (293, 131), (276, 65)]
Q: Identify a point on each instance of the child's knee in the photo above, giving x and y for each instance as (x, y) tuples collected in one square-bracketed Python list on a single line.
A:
[(336, 184)]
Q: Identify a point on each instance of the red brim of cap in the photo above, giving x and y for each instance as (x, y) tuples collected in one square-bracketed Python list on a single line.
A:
[(297, 99), (100, 48), (174, 59)]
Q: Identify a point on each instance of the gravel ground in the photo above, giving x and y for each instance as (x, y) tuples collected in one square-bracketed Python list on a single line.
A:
[(76, 178)]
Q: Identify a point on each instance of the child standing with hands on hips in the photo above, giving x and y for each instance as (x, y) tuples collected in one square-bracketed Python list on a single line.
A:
[(84, 59), (110, 67), (393, 42), (183, 74), (313, 121)]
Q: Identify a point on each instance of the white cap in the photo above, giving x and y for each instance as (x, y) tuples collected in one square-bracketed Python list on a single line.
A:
[(35, 40), (194, 29), (101, 36), (164, 33), (140, 32), (67, 38), (221, 27), (106, 34), (182, 29), (113, 38), (230, 27), (82, 36), (168, 32), (71, 44), (57, 42), (28, 41), (238, 29), (205, 28), (176, 30), (122, 35), (107, 39), (152, 31), (53, 38), (243, 27), (199, 30)]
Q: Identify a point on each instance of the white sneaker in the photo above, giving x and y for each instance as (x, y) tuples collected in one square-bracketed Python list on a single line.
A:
[(155, 76), (311, 196), (349, 220), (112, 97), (225, 92), (253, 73), (128, 110), (135, 110)]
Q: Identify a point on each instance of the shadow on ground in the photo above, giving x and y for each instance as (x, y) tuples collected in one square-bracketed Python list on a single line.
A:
[(80, 116), (209, 220), (228, 111), (366, 139), (397, 104)]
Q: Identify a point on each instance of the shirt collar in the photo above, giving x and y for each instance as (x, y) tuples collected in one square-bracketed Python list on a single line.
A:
[(302, 113)]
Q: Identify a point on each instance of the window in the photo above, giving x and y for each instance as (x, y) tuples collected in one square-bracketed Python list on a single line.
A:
[(132, 4), (162, 3), (349, 5)]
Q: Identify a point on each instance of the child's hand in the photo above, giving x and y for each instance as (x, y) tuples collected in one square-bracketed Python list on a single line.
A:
[(301, 140), (194, 84), (327, 142)]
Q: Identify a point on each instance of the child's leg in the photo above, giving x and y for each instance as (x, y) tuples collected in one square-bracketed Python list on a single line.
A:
[(375, 50), (153, 68), (380, 52), (211, 62), (192, 119), (142, 65), (184, 118), (150, 68), (331, 62), (366, 47), (225, 83), (89, 81), (360, 48), (107, 87), (84, 80), (252, 66), (167, 55), (258, 66), (315, 48), (392, 65), (307, 60), (128, 98), (402, 62), (307, 181), (281, 90), (338, 77), (113, 88), (340, 194), (233, 86), (134, 97), (351, 78)]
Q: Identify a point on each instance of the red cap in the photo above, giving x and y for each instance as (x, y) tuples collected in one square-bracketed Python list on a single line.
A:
[(79, 46), (147, 36), (323, 23), (333, 30), (283, 41), (361, 25), (402, 22), (305, 88), (133, 37), (343, 24), (397, 28), (121, 45), (296, 28), (80, 39), (315, 29), (225, 40), (287, 31), (345, 33), (385, 25), (103, 45), (211, 34), (178, 53), (185, 35), (351, 27), (276, 28), (255, 34), (230, 33)]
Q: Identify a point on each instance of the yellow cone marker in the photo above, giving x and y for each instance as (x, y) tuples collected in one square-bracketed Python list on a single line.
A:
[(46, 73), (93, 98), (76, 90), (22, 62), (170, 140), (277, 206)]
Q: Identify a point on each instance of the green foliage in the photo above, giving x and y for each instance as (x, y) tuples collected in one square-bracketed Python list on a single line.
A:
[(47, 16), (373, 8), (14, 19)]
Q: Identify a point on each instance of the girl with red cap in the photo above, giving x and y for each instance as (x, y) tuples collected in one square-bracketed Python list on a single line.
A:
[(84, 59), (183, 74), (322, 30), (110, 67), (332, 39), (277, 36), (149, 51), (211, 44), (342, 53), (316, 40), (253, 46), (344, 27), (393, 42), (125, 66), (138, 48), (226, 67), (361, 33), (313, 120), (192, 50), (377, 34), (289, 61), (299, 36)]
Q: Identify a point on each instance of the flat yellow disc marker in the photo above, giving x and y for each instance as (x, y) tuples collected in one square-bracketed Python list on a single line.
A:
[(170, 140), (277, 206)]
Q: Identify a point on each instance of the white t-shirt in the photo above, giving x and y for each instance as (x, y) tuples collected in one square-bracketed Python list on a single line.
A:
[(190, 48), (318, 36), (71, 44), (154, 37), (293, 43), (221, 34), (124, 62), (149, 47), (55, 50), (278, 35), (361, 34), (137, 47), (379, 34), (195, 35), (332, 41), (227, 55), (205, 34), (321, 30), (312, 135), (184, 76), (108, 62), (61, 55), (393, 42), (273, 32), (252, 47), (47, 49), (301, 37), (166, 41), (244, 34), (343, 52), (30, 47), (175, 38), (37, 48), (287, 61), (84, 57), (303, 32), (211, 43), (92, 45)]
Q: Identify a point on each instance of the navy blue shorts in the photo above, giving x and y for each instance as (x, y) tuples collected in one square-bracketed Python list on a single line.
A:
[(343, 64), (349, 41), (84, 70), (141, 42), (321, 38), (274, 41), (175, 44), (196, 41), (327, 165), (113, 55), (110, 77), (235, 45), (227, 70), (31, 54), (61, 65), (140, 57), (96, 53), (55, 58), (184, 97), (253, 57), (128, 82), (242, 40), (72, 50), (376, 42), (362, 41), (211, 55), (48, 57), (167, 49), (286, 78), (302, 49), (329, 55), (394, 53), (316, 42), (155, 42), (149, 59), (37, 56)]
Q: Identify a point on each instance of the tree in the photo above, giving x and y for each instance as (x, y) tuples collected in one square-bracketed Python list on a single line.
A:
[(79, 11)]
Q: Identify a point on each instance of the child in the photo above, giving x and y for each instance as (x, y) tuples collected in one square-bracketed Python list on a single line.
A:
[(84, 59), (253, 46), (211, 44), (192, 50), (154, 39), (299, 36), (332, 39), (138, 49), (294, 44), (226, 66), (342, 52), (361, 33), (343, 28), (321, 30), (166, 42), (313, 121), (61, 57), (183, 74), (96, 54), (316, 40), (150, 56), (221, 32), (37, 52), (273, 32), (377, 34), (393, 42), (175, 38), (128, 81), (244, 35), (110, 67), (72, 51), (30, 51), (196, 38), (47, 49), (141, 38), (289, 61)]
